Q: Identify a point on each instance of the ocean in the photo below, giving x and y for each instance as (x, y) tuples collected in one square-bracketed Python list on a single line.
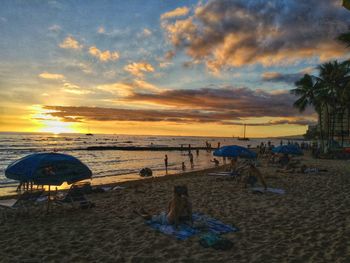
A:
[(110, 166)]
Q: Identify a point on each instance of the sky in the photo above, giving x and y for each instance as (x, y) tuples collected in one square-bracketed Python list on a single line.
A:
[(163, 67)]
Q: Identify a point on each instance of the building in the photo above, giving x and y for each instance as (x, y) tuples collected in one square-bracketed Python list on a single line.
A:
[(336, 125)]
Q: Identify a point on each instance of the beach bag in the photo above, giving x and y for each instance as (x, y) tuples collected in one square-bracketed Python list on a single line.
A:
[(146, 172), (215, 241)]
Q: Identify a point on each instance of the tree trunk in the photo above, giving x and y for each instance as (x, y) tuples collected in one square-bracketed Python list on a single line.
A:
[(342, 127), (333, 122), (349, 124), (321, 128), (328, 125)]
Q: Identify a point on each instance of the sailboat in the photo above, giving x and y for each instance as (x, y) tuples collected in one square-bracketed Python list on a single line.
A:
[(244, 138)]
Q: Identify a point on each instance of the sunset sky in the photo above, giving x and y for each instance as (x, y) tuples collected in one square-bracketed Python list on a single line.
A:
[(162, 67)]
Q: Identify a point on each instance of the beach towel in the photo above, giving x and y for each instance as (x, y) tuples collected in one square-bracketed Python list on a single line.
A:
[(271, 190), (184, 231), (225, 174)]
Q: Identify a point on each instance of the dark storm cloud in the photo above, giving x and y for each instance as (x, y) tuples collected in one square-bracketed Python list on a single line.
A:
[(280, 77), (237, 102), (207, 105)]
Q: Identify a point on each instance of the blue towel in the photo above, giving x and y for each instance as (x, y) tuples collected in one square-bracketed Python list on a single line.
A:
[(213, 225), (271, 190), (185, 231)]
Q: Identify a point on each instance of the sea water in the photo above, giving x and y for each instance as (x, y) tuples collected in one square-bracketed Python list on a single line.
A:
[(110, 166)]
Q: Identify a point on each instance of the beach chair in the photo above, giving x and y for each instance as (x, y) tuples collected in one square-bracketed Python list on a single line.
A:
[(23, 204), (75, 197)]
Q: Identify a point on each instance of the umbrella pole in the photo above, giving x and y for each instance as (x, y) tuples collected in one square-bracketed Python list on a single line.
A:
[(48, 199)]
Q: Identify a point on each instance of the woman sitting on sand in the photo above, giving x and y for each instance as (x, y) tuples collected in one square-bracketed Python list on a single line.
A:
[(254, 174), (179, 209)]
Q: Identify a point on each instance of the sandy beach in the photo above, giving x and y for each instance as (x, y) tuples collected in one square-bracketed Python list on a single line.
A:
[(310, 223)]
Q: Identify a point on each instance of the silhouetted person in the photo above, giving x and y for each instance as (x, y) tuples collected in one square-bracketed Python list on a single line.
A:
[(166, 163), (216, 162), (191, 159)]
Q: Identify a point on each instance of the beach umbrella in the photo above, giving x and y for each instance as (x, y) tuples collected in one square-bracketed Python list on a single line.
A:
[(48, 169), (235, 151), (288, 149)]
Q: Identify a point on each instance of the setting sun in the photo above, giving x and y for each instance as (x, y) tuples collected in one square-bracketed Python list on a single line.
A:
[(57, 127), (49, 123)]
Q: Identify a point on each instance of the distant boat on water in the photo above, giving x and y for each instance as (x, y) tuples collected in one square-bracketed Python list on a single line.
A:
[(89, 134), (244, 138)]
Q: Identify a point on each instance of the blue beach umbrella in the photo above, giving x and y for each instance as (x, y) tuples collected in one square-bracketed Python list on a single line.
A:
[(288, 149), (235, 151), (48, 169)]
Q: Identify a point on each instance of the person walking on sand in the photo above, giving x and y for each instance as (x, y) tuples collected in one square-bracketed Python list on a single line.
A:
[(183, 166), (166, 163)]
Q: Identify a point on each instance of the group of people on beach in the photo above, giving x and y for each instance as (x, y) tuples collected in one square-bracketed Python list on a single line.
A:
[(179, 209), (183, 165)]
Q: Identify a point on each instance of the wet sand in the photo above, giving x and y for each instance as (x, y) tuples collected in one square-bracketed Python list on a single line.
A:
[(310, 223)]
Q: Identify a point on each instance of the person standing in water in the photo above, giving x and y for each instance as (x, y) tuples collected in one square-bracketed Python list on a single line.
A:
[(191, 159), (166, 163)]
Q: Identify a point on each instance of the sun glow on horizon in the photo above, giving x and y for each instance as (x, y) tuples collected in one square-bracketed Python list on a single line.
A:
[(49, 123)]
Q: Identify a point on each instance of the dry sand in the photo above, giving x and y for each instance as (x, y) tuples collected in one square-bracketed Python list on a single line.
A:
[(310, 223)]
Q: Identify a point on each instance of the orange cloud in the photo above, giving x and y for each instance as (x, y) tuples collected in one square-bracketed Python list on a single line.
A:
[(180, 11), (139, 68), (119, 89), (53, 76), (74, 89), (70, 43), (224, 34), (103, 56), (146, 32)]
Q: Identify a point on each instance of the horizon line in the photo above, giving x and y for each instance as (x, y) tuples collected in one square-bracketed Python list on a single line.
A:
[(73, 133)]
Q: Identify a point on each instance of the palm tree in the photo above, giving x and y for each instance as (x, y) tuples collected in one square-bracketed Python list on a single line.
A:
[(345, 38), (344, 96), (306, 90), (334, 78), (329, 94), (309, 92)]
